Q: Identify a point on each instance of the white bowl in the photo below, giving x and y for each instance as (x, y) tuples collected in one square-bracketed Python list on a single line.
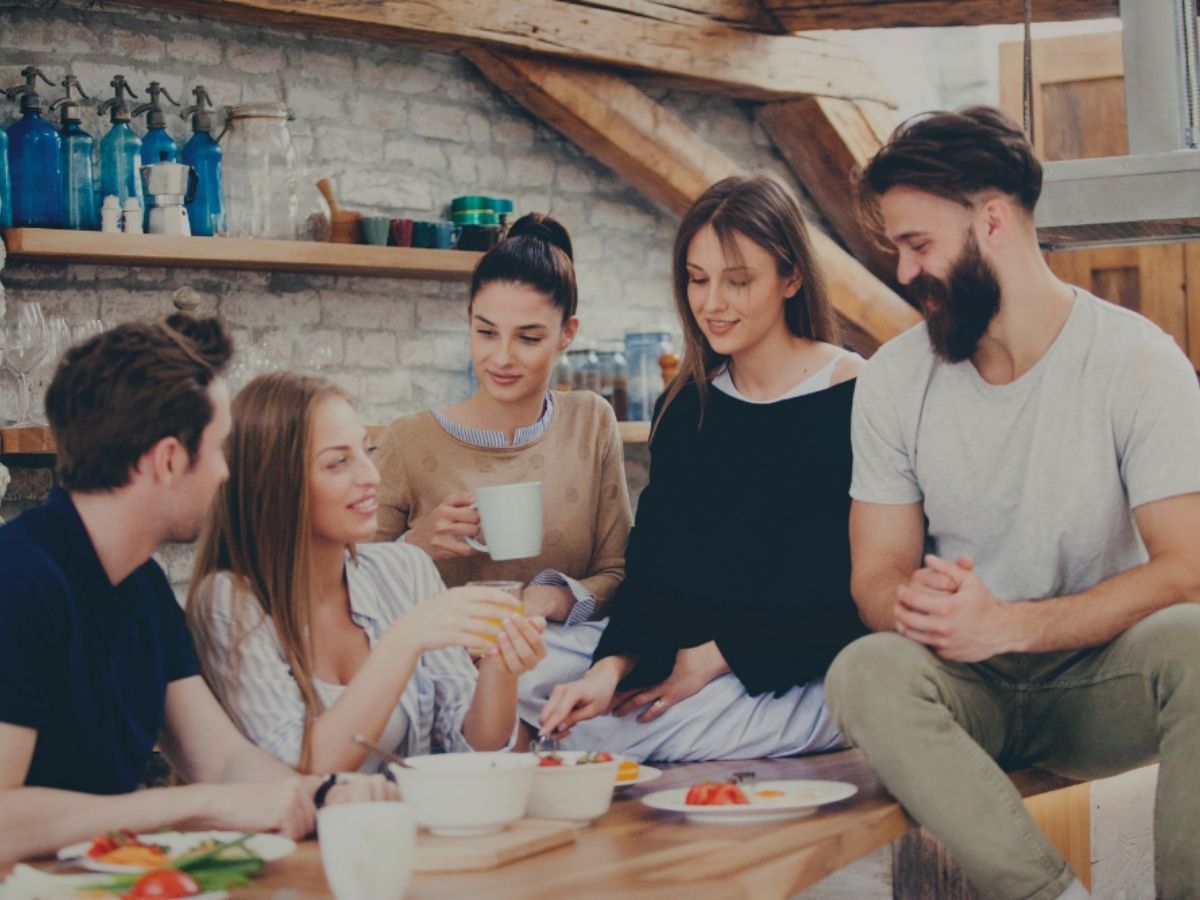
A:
[(573, 793), (466, 794), (368, 850)]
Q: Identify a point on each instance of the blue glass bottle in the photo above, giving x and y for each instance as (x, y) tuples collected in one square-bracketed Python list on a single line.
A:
[(5, 184), (79, 210), (206, 212), (34, 159), (157, 143), (120, 148)]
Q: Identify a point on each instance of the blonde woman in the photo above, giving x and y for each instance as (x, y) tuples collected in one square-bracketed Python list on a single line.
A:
[(308, 637)]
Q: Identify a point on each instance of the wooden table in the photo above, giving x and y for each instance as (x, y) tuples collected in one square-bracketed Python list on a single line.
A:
[(639, 852)]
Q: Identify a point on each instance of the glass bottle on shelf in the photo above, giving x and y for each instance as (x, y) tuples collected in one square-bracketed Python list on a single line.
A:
[(120, 148), (259, 172), (79, 209), (34, 158), (206, 212), (312, 209)]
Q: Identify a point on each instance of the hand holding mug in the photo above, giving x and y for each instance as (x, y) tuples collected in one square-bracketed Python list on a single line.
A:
[(443, 532)]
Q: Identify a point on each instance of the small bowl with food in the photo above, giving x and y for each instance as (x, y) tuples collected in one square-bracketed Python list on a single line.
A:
[(466, 794), (572, 786)]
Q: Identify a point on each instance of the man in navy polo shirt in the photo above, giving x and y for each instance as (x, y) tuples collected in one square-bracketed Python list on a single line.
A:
[(96, 663)]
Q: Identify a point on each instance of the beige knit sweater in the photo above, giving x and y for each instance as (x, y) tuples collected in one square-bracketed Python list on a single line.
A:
[(580, 462)]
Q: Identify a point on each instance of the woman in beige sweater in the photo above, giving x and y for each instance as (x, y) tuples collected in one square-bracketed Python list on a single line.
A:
[(514, 429)]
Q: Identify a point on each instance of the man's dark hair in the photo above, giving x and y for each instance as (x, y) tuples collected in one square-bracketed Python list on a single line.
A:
[(956, 155), (119, 393)]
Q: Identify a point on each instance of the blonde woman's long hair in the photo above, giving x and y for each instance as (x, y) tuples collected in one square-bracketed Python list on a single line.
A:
[(766, 212), (260, 531)]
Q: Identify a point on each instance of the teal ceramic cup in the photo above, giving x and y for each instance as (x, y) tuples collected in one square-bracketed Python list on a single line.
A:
[(375, 229), (445, 235), (423, 234)]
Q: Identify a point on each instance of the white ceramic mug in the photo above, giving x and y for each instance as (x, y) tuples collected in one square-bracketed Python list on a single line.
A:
[(368, 849), (511, 515)]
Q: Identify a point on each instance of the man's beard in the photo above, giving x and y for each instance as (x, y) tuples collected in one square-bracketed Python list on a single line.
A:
[(959, 309)]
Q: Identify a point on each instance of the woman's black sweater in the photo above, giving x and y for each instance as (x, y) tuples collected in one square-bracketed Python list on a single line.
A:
[(742, 537)]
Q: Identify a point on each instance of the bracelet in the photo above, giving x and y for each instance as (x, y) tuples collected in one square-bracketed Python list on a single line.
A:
[(323, 789)]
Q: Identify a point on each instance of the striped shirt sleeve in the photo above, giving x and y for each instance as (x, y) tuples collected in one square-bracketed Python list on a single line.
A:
[(254, 683)]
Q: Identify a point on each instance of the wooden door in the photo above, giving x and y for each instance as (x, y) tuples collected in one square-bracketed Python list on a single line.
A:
[(1079, 113)]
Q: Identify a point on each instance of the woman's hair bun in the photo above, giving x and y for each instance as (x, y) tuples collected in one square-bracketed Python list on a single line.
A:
[(543, 228)]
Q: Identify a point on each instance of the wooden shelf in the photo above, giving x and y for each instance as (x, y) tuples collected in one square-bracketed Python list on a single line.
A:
[(36, 440), (92, 247)]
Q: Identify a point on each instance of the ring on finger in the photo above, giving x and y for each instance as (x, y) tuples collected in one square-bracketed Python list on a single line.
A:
[(659, 704)]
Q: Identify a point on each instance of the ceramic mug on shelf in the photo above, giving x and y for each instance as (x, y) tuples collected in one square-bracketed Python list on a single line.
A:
[(375, 229), (445, 235), (402, 232), (423, 234), (511, 518)]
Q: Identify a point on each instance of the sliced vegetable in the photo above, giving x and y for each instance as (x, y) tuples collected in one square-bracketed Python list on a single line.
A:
[(170, 883), (715, 793)]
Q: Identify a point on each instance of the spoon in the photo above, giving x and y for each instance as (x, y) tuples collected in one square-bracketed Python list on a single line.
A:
[(386, 754)]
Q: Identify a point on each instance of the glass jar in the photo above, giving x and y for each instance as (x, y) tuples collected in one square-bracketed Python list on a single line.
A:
[(259, 172), (586, 372), (617, 374), (312, 209), (642, 352)]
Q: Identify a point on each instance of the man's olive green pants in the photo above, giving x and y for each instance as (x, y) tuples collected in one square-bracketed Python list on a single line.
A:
[(940, 735)]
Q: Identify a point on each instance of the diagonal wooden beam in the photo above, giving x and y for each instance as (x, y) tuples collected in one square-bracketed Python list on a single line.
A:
[(652, 148), (712, 56), (825, 141), (810, 15)]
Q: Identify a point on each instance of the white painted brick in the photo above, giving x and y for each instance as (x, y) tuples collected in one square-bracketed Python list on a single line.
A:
[(654, 291), (386, 389), (442, 314), (451, 353), (95, 78), (571, 177), (432, 388), (397, 75), (189, 48), (622, 217), (339, 143), (515, 132), (255, 59), (379, 111), (420, 155), (48, 37), (491, 172), (117, 305), (463, 170), (480, 129), (412, 353), (315, 103), (318, 349), (371, 350), (135, 45), (394, 190), (330, 69), (531, 171), (439, 120), (223, 91), (244, 308), (343, 310), (472, 90)]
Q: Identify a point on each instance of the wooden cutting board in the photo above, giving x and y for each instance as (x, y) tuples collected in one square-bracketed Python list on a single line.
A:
[(523, 838)]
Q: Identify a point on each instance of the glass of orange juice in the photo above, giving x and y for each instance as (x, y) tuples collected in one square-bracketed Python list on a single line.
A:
[(509, 587)]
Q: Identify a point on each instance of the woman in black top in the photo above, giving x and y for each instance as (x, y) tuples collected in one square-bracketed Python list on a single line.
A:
[(736, 596)]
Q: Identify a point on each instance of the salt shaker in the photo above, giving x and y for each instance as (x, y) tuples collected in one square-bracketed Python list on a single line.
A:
[(133, 216), (110, 215)]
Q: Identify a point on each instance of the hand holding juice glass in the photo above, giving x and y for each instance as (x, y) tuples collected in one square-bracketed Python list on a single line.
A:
[(509, 587)]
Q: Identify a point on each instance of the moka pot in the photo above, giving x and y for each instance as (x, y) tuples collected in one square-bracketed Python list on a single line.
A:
[(172, 185)]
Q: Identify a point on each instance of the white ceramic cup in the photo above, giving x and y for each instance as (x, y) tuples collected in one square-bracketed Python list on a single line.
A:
[(368, 849), (511, 515)]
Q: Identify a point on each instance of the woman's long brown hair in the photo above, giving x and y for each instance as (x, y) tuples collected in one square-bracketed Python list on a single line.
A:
[(260, 531), (767, 213)]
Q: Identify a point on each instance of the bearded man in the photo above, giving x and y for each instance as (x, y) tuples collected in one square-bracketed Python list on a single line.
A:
[(1025, 527)]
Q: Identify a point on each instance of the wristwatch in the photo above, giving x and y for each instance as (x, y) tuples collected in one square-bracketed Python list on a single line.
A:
[(323, 789)]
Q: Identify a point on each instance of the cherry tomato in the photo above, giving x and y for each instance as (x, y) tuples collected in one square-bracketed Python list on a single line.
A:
[(550, 760), (602, 757), (727, 795), (701, 794), (163, 883)]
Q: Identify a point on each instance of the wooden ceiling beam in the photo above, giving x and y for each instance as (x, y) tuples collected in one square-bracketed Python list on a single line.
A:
[(655, 150), (709, 56), (825, 141), (812, 15)]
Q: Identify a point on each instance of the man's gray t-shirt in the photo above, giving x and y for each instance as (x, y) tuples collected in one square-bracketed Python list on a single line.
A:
[(1036, 479)]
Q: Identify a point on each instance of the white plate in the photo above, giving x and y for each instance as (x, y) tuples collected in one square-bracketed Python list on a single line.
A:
[(800, 798), (645, 773), (267, 847)]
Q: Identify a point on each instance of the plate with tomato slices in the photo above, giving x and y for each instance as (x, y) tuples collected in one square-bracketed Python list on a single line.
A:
[(123, 852), (727, 803)]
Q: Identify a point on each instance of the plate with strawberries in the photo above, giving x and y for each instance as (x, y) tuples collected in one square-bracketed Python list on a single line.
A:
[(730, 803)]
